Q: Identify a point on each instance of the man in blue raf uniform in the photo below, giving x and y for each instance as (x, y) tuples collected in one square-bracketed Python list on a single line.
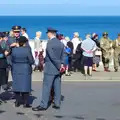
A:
[(16, 35), (12, 40), (53, 64)]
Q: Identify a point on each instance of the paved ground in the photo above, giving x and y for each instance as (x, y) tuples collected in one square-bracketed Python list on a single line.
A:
[(81, 101), (100, 75), (94, 98)]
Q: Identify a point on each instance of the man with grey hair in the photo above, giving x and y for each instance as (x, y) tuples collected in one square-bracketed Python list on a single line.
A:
[(88, 46), (75, 41)]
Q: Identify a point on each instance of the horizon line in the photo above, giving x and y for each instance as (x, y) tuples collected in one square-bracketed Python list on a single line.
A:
[(61, 15)]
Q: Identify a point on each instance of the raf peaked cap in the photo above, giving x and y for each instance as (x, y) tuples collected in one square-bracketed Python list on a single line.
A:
[(6, 34), (51, 30), (16, 28), (2, 35)]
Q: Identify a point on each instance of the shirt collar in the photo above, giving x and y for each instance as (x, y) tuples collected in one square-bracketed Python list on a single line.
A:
[(53, 37)]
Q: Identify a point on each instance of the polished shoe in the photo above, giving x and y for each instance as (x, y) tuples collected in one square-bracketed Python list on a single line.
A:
[(39, 108), (56, 107), (116, 70), (17, 104), (27, 106)]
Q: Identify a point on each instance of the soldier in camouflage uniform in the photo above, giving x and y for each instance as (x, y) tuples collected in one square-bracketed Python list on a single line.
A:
[(105, 44), (116, 47)]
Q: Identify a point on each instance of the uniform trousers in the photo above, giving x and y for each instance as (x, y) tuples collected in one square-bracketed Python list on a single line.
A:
[(48, 82), (116, 59)]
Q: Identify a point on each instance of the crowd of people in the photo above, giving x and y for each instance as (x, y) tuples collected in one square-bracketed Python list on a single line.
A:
[(61, 55), (87, 54)]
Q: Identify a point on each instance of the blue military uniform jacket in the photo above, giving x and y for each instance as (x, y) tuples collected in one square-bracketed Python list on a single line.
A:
[(54, 57), (22, 61)]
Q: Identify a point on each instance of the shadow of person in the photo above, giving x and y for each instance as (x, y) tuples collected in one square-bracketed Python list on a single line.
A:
[(5, 96)]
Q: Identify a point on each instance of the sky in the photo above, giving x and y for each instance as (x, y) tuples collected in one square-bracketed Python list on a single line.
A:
[(60, 7)]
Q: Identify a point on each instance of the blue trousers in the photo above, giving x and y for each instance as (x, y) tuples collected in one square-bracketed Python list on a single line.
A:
[(48, 82)]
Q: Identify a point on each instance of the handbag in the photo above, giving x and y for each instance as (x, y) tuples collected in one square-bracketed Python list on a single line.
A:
[(98, 52)]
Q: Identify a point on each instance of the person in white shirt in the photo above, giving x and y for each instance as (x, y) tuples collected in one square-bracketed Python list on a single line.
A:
[(88, 46), (23, 32), (76, 41), (37, 49)]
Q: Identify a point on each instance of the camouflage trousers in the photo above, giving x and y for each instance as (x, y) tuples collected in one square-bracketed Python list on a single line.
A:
[(105, 61), (116, 59)]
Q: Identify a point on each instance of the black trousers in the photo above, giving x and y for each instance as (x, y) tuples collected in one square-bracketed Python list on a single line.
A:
[(3, 76), (70, 64), (22, 96)]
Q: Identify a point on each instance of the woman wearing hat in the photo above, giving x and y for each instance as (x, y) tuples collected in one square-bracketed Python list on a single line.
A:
[(22, 61)]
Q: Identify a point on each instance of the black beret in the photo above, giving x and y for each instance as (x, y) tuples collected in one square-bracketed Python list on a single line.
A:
[(52, 30), (16, 28), (23, 39)]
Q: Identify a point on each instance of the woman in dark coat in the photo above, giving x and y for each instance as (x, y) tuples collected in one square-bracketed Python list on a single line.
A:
[(3, 66), (96, 57), (22, 61)]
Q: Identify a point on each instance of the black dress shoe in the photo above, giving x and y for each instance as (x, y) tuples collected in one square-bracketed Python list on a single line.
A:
[(56, 107), (17, 104), (116, 70), (39, 108), (27, 106)]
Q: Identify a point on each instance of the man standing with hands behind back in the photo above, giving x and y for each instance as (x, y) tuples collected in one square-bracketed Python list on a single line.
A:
[(53, 65)]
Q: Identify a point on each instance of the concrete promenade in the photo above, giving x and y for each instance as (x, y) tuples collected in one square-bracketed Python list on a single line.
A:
[(100, 75), (96, 98)]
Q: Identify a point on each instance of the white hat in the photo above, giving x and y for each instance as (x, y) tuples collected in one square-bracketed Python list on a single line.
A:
[(76, 34)]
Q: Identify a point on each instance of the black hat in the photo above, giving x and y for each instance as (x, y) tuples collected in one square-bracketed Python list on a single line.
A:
[(6, 34), (16, 28), (118, 34), (51, 30), (2, 35), (23, 39)]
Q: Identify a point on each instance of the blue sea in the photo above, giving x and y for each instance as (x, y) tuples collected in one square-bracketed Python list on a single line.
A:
[(64, 24)]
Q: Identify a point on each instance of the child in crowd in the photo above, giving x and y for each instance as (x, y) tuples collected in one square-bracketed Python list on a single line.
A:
[(67, 53)]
